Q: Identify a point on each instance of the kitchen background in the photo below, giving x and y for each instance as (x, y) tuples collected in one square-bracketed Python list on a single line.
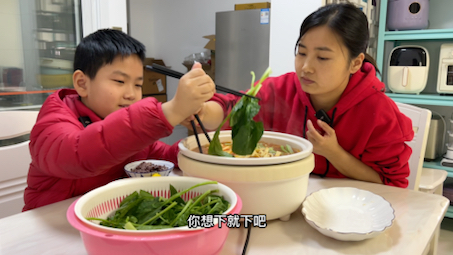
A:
[(170, 30), (39, 36)]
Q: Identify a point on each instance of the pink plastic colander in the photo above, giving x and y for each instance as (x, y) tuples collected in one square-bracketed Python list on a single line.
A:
[(203, 241)]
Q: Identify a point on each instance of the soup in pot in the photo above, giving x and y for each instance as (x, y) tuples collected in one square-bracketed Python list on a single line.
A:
[(262, 150)]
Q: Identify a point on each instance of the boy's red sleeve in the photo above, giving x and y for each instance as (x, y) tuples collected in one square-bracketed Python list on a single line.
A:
[(62, 147), (162, 151)]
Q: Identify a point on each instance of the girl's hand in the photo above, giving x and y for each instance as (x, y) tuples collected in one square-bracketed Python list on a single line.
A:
[(324, 143)]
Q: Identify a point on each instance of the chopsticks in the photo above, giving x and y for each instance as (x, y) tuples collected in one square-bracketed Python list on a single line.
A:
[(166, 71), (196, 136), (196, 133), (202, 127)]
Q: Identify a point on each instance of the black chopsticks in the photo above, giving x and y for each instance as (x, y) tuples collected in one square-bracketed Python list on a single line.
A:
[(196, 133), (202, 127), (166, 71), (196, 136)]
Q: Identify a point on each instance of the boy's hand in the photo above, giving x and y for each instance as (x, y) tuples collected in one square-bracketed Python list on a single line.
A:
[(194, 88)]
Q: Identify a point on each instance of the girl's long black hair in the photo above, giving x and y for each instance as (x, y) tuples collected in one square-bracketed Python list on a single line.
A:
[(348, 22)]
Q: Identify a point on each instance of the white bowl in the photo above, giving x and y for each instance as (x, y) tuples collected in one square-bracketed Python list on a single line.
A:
[(128, 168), (348, 214), (103, 201), (273, 186)]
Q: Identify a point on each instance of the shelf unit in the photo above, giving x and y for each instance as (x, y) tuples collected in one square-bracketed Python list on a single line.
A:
[(423, 99), (420, 99), (408, 35), (426, 34)]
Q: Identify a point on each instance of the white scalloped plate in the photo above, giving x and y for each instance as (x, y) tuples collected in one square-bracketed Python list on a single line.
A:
[(348, 214)]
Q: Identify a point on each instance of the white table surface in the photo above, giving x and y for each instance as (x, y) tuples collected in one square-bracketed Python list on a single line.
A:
[(46, 231)]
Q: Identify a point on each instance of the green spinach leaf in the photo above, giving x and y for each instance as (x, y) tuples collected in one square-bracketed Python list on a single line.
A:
[(245, 133), (173, 191), (142, 211)]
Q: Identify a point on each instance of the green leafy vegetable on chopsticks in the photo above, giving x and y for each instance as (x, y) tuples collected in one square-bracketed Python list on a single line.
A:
[(245, 133), (143, 211)]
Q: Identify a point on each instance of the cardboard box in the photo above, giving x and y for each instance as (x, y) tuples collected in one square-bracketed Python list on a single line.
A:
[(261, 5), (153, 83), (211, 44), (161, 98)]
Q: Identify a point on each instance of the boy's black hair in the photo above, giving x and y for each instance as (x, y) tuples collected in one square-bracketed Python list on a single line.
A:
[(102, 47)]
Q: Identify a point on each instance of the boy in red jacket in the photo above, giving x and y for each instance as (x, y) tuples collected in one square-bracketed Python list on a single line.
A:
[(365, 136), (84, 136)]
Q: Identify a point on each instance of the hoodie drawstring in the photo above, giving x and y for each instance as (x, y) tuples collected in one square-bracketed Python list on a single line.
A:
[(305, 122)]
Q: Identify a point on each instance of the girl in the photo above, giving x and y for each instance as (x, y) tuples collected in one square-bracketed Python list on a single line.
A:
[(363, 134)]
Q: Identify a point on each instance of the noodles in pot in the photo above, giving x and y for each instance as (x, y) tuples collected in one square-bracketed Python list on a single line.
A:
[(262, 150)]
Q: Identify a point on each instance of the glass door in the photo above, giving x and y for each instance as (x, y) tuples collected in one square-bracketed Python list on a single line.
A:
[(44, 36)]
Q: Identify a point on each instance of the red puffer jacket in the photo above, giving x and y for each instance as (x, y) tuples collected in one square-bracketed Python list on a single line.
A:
[(69, 160)]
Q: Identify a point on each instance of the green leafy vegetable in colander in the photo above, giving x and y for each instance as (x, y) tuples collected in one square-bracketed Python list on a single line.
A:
[(143, 211)]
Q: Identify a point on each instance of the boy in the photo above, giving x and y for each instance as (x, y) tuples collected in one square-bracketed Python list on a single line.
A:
[(84, 136)]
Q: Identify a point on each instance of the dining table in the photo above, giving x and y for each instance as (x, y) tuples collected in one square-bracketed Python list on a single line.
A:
[(45, 230)]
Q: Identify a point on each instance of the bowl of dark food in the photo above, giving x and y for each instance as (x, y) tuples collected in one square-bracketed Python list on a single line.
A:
[(148, 168), (155, 216)]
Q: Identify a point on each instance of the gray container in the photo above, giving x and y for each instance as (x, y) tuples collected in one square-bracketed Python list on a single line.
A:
[(407, 14), (435, 144)]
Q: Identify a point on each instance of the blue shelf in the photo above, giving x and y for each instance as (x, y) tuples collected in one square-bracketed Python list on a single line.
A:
[(422, 34), (422, 99), (425, 34)]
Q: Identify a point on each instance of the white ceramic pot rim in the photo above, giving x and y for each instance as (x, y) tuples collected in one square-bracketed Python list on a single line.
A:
[(188, 144)]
